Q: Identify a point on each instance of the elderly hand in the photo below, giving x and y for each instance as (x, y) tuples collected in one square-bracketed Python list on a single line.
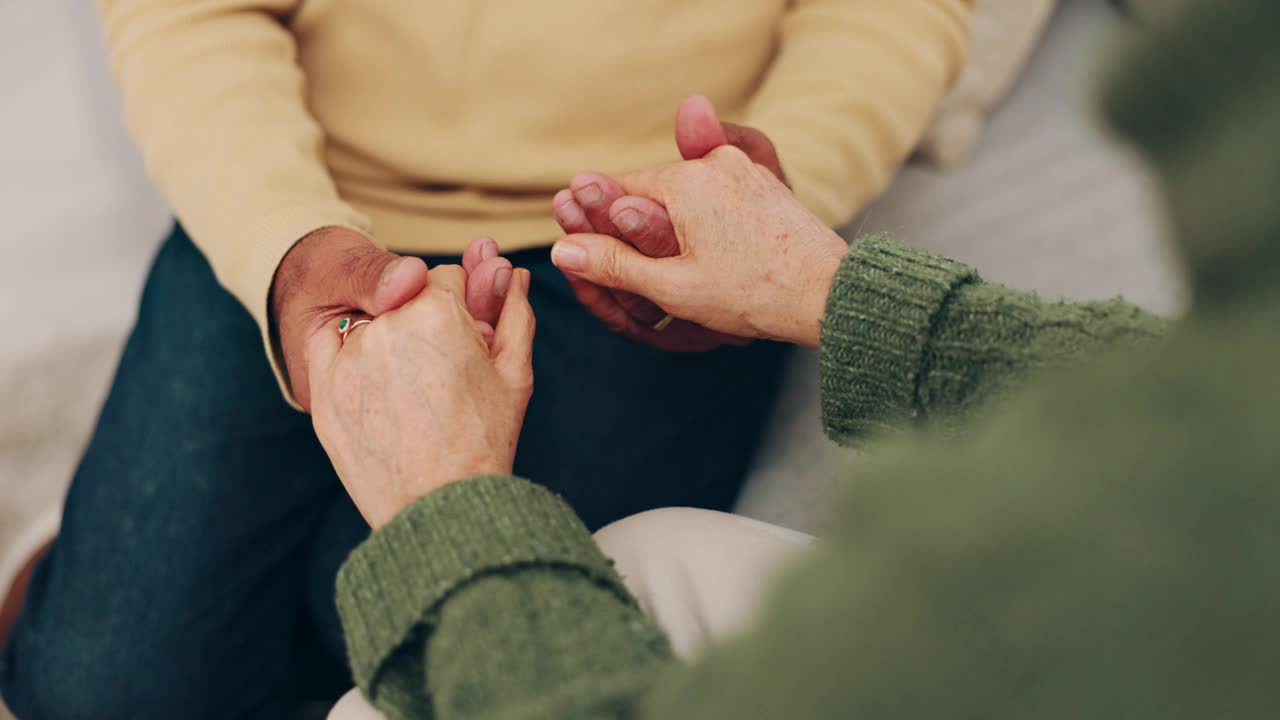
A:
[(417, 399), (752, 261), (584, 208)]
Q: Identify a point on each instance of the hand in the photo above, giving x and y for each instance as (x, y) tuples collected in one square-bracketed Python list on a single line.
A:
[(334, 272), (753, 262), (416, 399), (584, 208)]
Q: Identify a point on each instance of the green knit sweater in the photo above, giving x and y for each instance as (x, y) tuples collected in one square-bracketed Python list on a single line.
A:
[(1071, 511)]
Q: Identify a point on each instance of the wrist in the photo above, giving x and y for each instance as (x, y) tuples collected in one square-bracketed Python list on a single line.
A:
[(434, 482), (801, 322)]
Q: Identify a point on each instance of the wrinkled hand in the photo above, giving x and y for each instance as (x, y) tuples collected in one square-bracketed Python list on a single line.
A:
[(584, 208), (417, 399), (335, 272), (752, 261)]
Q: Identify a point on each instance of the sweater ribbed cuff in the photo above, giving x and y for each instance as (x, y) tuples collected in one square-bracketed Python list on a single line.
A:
[(395, 581), (876, 331)]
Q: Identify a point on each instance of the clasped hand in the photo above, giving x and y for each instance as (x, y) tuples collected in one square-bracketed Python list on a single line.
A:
[(429, 393), (419, 398)]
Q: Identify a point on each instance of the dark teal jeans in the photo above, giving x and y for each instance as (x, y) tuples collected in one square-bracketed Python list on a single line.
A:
[(194, 574)]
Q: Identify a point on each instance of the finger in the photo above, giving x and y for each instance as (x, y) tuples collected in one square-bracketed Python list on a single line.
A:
[(595, 193), (644, 311), (377, 281), (646, 225), (569, 214), (617, 309), (698, 128), (513, 337), (757, 146), (478, 250), (612, 263), (653, 183), (699, 131), (321, 350), (451, 279), (486, 332), (487, 288)]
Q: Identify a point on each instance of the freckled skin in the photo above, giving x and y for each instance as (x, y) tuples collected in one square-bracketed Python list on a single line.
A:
[(753, 263), (418, 399)]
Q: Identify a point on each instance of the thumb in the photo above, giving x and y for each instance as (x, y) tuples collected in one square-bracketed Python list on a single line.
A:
[(698, 128), (757, 146), (612, 263), (378, 281), (699, 131)]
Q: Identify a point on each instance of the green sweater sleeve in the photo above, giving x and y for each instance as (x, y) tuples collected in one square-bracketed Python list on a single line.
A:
[(489, 599), (909, 337)]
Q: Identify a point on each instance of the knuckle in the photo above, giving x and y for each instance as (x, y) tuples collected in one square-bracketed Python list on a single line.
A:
[(363, 262), (452, 272), (728, 155), (610, 266)]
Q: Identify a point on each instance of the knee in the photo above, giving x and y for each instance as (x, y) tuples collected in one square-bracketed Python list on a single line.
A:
[(698, 573), (649, 547), (686, 548), (353, 706), (655, 532)]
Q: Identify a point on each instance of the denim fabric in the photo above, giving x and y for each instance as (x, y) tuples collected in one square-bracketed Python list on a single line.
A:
[(204, 527)]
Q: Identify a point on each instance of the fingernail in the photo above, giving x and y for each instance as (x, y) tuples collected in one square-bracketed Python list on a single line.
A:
[(568, 256), (526, 278), (589, 194), (568, 214), (489, 250), (501, 281), (628, 219)]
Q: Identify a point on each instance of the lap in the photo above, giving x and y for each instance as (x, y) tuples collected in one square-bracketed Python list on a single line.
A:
[(204, 526), (700, 575), (618, 428)]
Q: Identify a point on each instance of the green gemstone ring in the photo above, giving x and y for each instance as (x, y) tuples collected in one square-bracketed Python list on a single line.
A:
[(346, 325)]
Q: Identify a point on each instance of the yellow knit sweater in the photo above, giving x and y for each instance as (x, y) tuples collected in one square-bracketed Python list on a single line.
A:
[(428, 123)]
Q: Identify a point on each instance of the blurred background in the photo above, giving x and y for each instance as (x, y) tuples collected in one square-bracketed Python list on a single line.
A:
[(1042, 202)]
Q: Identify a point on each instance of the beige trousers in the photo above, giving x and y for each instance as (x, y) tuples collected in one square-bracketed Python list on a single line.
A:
[(699, 574)]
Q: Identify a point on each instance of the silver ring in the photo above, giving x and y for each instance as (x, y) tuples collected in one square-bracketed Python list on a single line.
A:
[(345, 326), (663, 323)]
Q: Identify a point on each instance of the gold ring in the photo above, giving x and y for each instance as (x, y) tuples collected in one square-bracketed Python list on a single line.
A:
[(663, 323), (345, 326)]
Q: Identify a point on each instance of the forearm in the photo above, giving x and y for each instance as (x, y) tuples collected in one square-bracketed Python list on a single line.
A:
[(488, 598), (852, 90), (908, 337), (214, 96)]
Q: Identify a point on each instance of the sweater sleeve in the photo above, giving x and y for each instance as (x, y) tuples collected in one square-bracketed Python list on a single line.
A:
[(854, 85), (214, 96), (489, 599), (909, 337)]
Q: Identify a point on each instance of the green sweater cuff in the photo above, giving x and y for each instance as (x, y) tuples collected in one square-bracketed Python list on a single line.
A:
[(876, 331), (393, 583)]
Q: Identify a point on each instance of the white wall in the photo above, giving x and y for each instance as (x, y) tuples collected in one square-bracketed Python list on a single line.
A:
[(78, 223)]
